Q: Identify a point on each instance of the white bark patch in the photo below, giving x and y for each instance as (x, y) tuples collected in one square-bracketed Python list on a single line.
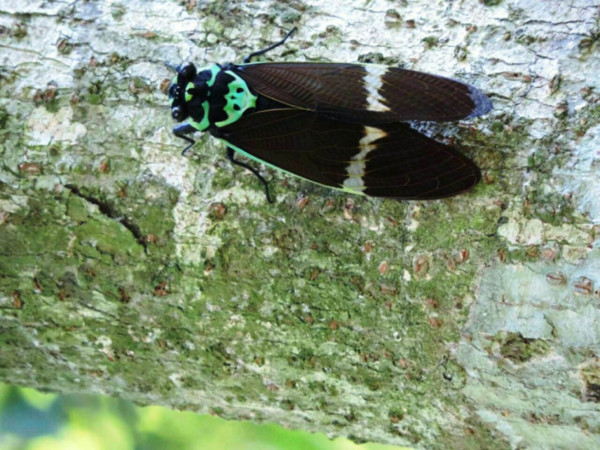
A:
[(373, 83), (356, 168), (583, 181), (47, 127)]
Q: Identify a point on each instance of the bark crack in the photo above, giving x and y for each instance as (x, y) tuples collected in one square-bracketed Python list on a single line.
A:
[(108, 209)]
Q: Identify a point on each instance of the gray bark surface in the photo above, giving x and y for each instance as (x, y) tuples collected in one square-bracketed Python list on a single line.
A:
[(131, 271)]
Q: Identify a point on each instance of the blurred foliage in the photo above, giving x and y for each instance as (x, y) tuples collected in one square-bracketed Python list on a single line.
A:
[(31, 420)]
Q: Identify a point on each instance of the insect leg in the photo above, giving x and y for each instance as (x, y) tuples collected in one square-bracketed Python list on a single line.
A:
[(265, 50), (181, 131), (171, 66), (230, 153)]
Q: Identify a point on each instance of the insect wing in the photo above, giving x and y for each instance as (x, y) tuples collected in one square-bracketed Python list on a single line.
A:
[(365, 93), (389, 160)]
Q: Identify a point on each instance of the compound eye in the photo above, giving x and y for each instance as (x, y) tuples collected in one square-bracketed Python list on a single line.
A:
[(188, 71), (178, 114), (173, 90)]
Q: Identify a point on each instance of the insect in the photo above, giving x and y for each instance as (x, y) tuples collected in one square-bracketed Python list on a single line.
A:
[(338, 125)]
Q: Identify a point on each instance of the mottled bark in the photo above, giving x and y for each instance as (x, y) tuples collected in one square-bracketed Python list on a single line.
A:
[(128, 270)]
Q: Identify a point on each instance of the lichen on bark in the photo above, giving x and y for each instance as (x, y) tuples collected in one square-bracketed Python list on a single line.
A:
[(131, 271)]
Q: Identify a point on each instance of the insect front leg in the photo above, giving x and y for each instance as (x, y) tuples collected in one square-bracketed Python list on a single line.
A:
[(230, 153), (181, 131), (248, 58)]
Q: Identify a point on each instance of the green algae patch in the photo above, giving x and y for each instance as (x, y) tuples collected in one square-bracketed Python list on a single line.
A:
[(520, 349), (109, 236)]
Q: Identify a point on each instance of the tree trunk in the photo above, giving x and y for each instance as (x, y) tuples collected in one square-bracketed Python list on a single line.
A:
[(129, 270)]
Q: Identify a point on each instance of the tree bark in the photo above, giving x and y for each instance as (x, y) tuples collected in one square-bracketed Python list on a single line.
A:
[(129, 270)]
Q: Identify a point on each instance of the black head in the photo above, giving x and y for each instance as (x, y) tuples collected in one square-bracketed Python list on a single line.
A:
[(182, 83)]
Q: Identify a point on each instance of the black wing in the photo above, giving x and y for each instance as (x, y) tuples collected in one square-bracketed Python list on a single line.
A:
[(365, 93), (389, 160)]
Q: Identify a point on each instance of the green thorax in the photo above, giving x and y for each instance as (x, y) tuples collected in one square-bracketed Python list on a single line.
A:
[(217, 97)]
